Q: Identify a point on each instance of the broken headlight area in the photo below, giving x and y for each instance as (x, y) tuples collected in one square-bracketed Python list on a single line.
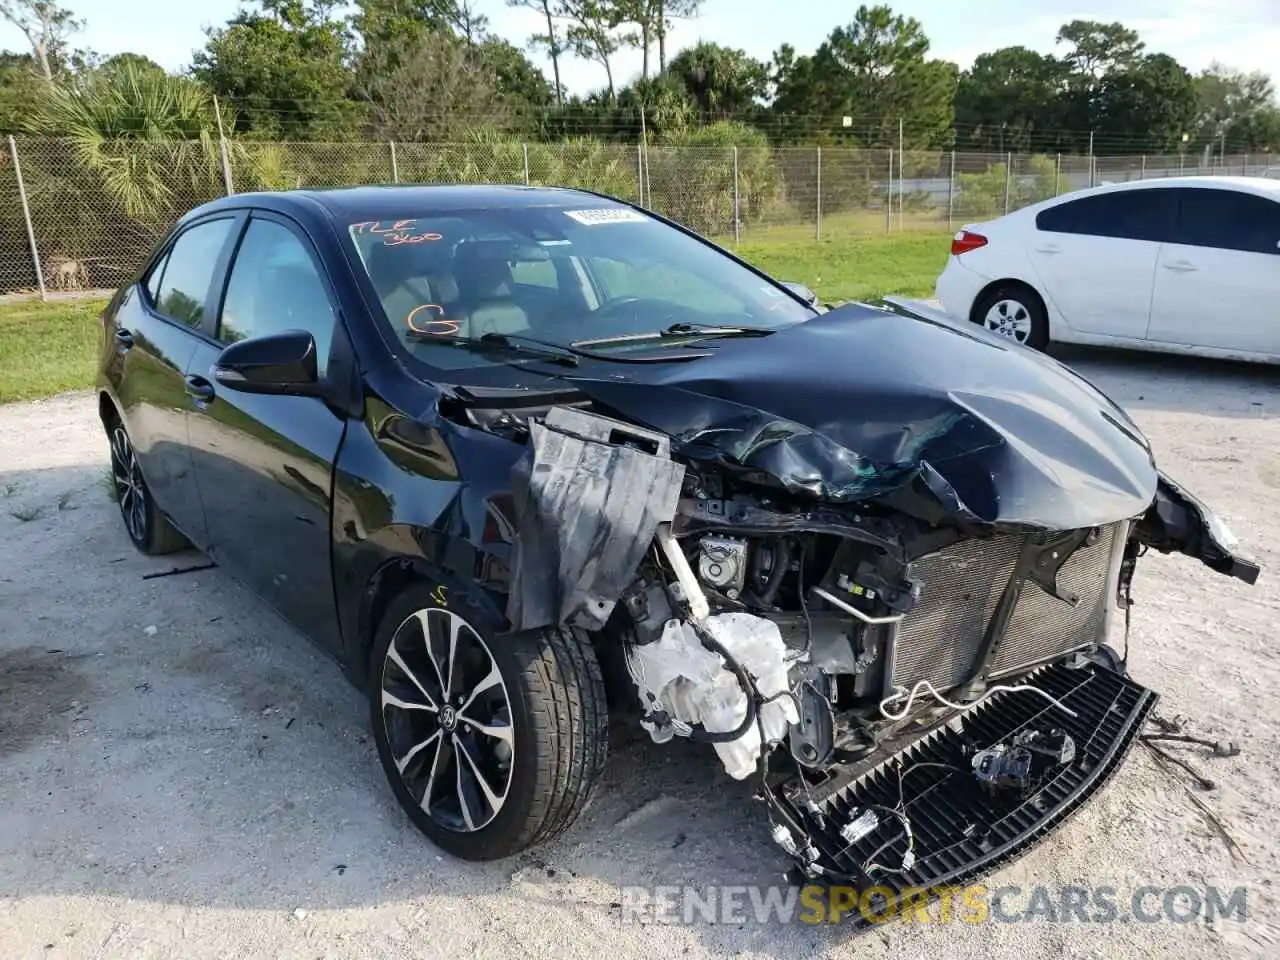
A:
[(918, 699)]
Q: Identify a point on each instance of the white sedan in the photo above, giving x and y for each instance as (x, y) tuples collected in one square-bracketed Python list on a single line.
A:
[(1181, 264)]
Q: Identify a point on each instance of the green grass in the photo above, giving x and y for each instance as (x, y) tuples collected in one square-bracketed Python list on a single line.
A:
[(46, 348), (856, 267)]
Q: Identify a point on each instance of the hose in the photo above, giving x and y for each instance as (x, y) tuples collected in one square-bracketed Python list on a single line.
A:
[(901, 693), (781, 560)]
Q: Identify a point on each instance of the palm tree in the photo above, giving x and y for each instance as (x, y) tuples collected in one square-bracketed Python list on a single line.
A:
[(140, 137), (111, 158)]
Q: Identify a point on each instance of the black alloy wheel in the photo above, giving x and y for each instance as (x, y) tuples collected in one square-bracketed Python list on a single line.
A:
[(491, 742), (448, 720), (148, 528)]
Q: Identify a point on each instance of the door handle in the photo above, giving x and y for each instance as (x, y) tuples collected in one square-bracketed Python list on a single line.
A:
[(1181, 266), (124, 340), (1050, 251), (199, 389)]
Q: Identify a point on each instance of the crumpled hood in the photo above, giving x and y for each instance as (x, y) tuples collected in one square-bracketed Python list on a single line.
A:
[(866, 402)]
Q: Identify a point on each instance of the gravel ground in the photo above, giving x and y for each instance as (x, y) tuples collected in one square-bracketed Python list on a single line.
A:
[(208, 788)]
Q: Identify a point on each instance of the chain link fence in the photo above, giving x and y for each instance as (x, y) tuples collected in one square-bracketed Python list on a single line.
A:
[(78, 215)]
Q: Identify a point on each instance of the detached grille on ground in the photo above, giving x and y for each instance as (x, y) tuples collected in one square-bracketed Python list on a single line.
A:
[(960, 830), (942, 639)]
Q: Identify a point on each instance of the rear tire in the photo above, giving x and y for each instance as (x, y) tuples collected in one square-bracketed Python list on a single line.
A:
[(1014, 311), (490, 743), (147, 526)]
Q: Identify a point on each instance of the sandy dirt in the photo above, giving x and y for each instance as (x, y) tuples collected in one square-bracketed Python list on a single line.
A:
[(209, 788)]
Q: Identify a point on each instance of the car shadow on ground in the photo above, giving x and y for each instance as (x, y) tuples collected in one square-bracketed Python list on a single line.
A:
[(171, 739)]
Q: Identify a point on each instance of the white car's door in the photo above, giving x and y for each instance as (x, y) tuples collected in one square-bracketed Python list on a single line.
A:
[(1096, 258), (1219, 284)]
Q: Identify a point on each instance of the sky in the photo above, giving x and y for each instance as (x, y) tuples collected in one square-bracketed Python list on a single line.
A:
[(1241, 33)]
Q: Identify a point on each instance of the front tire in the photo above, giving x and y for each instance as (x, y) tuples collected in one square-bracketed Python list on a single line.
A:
[(491, 743), (147, 526), (1016, 312)]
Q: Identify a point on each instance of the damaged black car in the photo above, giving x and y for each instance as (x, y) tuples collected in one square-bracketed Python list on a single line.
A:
[(524, 459)]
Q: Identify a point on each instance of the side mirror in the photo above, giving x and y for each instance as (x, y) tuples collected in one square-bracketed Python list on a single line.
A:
[(282, 363), (801, 291)]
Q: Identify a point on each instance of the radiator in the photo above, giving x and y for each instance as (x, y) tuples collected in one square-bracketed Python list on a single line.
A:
[(941, 638)]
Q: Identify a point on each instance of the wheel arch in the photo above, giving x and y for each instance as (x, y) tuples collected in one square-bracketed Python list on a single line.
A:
[(1008, 282), (392, 578), (1014, 283), (397, 574), (108, 412)]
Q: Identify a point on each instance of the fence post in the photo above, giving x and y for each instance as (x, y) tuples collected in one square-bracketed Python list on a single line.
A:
[(817, 229), (951, 191), (1244, 167), (902, 176), (888, 196), (395, 165), (737, 218), (1008, 175), (222, 149), (640, 171), (525, 148), (26, 215), (1057, 176), (1142, 170), (1091, 166)]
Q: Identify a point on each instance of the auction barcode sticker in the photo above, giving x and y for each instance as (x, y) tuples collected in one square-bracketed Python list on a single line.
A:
[(606, 215)]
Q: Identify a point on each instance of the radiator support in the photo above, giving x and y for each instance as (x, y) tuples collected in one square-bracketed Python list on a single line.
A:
[(997, 606)]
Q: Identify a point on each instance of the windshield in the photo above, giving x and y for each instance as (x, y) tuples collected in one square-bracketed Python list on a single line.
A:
[(560, 275)]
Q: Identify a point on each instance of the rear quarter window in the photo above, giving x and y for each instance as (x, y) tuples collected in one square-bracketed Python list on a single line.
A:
[(151, 282)]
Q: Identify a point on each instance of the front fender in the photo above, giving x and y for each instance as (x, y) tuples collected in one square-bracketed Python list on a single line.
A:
[(1178, 522)]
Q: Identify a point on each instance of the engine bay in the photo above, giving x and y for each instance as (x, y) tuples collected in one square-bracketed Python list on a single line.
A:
[(826, 648)]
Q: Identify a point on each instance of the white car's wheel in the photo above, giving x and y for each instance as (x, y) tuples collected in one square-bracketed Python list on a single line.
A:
[(1014, 312)]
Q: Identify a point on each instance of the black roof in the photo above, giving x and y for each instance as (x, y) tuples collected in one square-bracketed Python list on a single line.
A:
[(401, 200)]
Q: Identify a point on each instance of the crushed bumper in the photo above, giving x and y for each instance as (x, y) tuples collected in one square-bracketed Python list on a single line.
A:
[(959, 830)]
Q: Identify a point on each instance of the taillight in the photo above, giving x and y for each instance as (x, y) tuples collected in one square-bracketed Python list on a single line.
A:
[(966, 240)]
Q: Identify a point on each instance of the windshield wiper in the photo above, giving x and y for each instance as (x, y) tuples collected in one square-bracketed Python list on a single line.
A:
[(683, 329), (509, 342)]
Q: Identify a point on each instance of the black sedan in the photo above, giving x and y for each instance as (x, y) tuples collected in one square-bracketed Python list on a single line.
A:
[(521, 458)]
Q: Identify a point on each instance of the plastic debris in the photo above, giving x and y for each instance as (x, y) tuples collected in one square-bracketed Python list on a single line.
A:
[(681, 680)]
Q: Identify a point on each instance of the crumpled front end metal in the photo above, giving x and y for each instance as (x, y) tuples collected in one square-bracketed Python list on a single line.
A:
[(589, 496), (927, 415)]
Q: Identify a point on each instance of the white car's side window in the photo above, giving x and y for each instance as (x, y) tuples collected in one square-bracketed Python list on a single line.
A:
[(1125, 214), (1228, 220)]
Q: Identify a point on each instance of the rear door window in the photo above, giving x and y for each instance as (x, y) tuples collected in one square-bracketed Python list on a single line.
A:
[(1228, 220), (1124, 214), (184, 285)]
